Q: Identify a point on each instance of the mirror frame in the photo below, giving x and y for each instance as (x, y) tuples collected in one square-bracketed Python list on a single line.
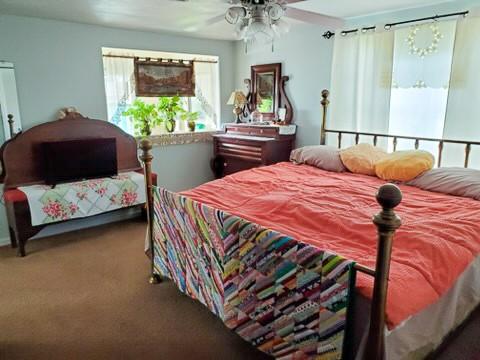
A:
[(280, 98), (256, 70)]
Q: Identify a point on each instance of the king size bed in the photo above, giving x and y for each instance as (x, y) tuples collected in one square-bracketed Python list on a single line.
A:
[(288, 257)]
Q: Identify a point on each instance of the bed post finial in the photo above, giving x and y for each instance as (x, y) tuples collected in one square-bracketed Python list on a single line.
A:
[(387, 222), (10, 125), (146, 157), (325, 102)]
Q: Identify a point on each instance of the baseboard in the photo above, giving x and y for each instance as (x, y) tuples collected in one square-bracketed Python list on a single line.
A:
[(4, 241), (83, 223)]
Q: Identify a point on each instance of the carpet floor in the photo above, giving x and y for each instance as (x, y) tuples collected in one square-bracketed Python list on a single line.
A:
[(85, 295)]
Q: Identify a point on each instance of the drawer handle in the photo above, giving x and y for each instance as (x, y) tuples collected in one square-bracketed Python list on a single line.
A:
[(225, 164)]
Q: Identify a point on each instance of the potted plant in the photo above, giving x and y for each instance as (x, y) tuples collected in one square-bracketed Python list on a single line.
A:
[(144, 117), (168, 108), (190, 118)]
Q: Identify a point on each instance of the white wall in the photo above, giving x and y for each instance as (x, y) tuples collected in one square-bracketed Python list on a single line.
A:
[(59, 64), (306, 57)]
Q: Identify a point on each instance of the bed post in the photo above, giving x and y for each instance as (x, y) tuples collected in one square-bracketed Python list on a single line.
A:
[(387, 222), (146, 157), (324, 102)]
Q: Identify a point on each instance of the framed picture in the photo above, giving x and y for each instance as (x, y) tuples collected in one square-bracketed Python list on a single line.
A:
[(159, 78)]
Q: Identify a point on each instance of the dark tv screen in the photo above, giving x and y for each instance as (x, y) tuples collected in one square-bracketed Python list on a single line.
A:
[(72, 160)]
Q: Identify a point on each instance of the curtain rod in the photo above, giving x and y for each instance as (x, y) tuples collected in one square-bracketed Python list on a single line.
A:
[(329, 34), (142, 57)]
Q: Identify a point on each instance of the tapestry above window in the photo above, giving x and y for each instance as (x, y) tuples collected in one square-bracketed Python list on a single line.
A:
[(155, 77)]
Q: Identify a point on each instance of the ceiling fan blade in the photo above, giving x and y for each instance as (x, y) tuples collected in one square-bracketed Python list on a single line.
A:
[(293, 1), (214, 20), (314, 18)]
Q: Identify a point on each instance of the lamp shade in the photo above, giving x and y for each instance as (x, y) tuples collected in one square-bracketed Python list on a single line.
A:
[(237, 98)]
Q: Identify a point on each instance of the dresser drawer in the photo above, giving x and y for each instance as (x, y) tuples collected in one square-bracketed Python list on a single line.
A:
[(241, 149), (268, 132), (237, 152)]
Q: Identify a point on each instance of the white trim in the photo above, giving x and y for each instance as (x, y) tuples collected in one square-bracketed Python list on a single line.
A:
[(4, 241)]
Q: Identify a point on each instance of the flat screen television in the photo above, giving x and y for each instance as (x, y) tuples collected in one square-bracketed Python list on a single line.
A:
[(72, 160)]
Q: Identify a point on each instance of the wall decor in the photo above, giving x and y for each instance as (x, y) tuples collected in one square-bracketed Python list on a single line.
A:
[(155, 77)]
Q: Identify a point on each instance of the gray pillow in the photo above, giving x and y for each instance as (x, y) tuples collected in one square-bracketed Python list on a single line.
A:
[(321, 156), (452, 181)]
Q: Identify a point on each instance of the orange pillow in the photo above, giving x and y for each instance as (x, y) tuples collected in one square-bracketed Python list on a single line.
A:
[(404, 165), (361, 158)]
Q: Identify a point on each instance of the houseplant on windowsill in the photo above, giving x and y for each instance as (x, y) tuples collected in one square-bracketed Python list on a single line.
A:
[(168, 108), (144, 116), (190, 118)]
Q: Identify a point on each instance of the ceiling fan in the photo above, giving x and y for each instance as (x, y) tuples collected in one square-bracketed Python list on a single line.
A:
[(255, 19)]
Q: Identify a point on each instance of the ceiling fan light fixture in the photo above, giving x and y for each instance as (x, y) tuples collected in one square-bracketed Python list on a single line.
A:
[(259, 31), (274, 11), (258, 21), (241, 29), (235, 14), (280, 27)]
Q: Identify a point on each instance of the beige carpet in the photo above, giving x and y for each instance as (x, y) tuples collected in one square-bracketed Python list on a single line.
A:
[(85, 295)]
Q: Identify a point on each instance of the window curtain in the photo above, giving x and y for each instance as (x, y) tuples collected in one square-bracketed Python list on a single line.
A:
[(421, 74), (462, 117), (361, 84), (206, 100), (120, 89)]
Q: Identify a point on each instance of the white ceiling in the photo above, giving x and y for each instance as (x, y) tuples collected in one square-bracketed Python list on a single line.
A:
[(355, 8), (188, 17)]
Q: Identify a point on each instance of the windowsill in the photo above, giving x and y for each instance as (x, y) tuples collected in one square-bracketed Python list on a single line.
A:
[(181, 138)]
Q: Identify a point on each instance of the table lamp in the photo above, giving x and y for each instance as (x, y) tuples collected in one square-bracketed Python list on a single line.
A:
[(238, 100)]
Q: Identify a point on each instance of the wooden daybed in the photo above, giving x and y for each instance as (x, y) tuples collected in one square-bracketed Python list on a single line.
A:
[(22, 163), (193, 243)]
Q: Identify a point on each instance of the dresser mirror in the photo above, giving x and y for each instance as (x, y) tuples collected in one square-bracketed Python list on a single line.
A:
[(268, 94), (265, 93)]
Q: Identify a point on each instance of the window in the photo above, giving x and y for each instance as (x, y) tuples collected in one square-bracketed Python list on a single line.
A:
[(119, 76), (420, 80), (422, 62)]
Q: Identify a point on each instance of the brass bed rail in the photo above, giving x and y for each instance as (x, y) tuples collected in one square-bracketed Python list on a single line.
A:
[(375, 136)]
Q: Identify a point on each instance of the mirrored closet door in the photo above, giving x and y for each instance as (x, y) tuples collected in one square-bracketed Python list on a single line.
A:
[(9, 111)]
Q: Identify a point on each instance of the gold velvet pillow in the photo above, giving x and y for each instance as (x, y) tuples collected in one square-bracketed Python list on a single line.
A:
[(404, 165), (361, 158)]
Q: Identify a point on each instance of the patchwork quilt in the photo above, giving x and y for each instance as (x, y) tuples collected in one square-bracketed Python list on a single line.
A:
[(84, 198), (287, 298)]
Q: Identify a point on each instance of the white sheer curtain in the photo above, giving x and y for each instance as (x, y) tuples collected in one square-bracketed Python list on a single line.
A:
[(463, 117), (206, 100), (119, 89), (361, 83), (421, 74)]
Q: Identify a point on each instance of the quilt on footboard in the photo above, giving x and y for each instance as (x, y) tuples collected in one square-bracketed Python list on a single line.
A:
[(287, 298)]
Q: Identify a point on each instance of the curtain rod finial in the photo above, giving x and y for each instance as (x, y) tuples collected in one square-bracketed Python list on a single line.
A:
[(328, 34)]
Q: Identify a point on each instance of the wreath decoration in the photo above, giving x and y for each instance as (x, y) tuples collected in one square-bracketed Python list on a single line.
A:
[(433, 47)]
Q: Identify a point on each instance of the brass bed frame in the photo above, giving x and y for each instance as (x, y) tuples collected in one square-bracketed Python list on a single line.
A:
[(387, 222)]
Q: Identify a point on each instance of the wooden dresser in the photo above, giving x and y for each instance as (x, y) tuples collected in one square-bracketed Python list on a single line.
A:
[(244, 146)]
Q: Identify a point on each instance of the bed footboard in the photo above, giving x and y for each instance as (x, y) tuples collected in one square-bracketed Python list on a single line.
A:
[(286, 298)]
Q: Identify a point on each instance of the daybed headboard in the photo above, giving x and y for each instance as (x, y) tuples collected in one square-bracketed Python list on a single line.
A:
[(375, 136), (22, 157)]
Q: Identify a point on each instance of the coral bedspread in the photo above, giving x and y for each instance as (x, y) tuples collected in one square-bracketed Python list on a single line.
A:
[(439, 238)]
